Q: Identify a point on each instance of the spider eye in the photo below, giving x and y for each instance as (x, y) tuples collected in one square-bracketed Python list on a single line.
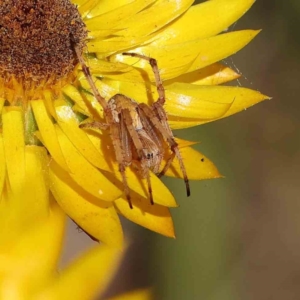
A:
[(148, 156)]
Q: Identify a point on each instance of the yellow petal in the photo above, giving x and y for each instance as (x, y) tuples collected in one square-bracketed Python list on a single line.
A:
[(198, 102), (241, 98), (79, 2), (134, 75), (221, 46), (158, 15), (100, 66), (70, 126), (105, 6), (55, 234), (14, 147), (36, 189), (154, 217), (48, 232), (203, 20), (112, 18), (102, 33), (47, 131), (140, 92), (2, 164), (114, 44), (85, 174), (107, 90), (95, 269), (142, 294), (27, 267), (85, 7), (146, 92), (30, 200), (49, 102), (211, 75), (174, 60), (78, 109), (86, 102), (76, 96), (96, 217), (197, 166), (184, 143), (11, 223), (2, 100), (169, 67)]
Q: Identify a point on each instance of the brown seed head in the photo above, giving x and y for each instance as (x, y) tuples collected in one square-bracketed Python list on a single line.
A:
[(36, 39)]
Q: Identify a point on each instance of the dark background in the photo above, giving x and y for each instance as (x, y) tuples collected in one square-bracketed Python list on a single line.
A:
[(237, 237)]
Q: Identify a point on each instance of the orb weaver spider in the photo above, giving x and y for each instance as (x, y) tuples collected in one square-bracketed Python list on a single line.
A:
[(138, 131)]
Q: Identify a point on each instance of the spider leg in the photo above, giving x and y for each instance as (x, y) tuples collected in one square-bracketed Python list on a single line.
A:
[(167, 165), (120, 141), (136, 139), (158, 118), (95, 124), (158, 81), (88, 76), (119, 137), (155, 138), (125, 184), (149, 187), (125, 142)]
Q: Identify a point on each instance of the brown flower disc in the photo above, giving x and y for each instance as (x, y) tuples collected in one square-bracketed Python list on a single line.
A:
[(36, 39)]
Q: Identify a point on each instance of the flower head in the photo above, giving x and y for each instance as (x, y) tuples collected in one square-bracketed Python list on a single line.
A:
[(44, 97)]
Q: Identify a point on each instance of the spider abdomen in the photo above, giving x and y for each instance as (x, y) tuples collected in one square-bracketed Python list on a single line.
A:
[(153, 154)]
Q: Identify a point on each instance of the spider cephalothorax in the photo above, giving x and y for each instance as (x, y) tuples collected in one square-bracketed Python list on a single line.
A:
[(138, 131)]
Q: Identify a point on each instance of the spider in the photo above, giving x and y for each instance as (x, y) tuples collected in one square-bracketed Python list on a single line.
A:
[(138, 131)]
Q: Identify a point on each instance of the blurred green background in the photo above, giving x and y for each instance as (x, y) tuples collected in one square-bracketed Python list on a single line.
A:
[(237, 237)]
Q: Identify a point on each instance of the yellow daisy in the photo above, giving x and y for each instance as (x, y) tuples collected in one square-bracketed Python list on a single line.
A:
[(44, 96)]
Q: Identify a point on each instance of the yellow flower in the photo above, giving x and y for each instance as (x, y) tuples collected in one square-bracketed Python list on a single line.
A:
[(44, 96), (28, 263)]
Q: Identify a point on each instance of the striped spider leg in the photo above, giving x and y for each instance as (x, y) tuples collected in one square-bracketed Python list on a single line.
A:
[(138, 131)]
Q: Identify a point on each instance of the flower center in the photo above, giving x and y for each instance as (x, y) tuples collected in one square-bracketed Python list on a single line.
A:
[(36, 38)]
